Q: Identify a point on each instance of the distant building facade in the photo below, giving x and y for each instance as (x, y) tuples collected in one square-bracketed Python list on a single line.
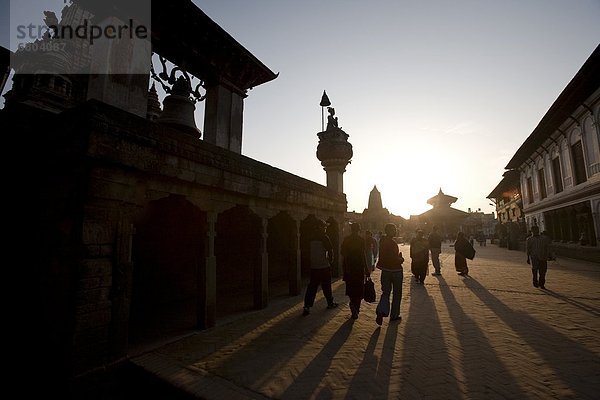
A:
[(479, 224), (559, 167), (507, 198)]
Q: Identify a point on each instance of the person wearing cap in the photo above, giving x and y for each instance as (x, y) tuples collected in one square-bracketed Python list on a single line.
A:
[(390, 263), (356, 268), (321, 258), (419, 253)]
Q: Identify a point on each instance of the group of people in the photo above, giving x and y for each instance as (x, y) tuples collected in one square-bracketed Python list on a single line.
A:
[(362, 255)]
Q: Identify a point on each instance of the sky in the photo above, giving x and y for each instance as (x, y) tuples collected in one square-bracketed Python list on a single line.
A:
[(434, 94)]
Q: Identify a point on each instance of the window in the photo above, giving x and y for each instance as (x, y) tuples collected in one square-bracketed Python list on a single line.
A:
[(592, 147), (542, 183), (529, 191), (558, 180), (578, 162)]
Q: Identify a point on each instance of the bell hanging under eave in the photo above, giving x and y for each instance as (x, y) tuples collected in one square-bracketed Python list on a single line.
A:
[(178, 109)]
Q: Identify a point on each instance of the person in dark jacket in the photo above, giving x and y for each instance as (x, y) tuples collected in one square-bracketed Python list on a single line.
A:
[(390, 264), (419, 253), (321, 257), (538, 250), (435, 248), (355, 268), (461, 245)]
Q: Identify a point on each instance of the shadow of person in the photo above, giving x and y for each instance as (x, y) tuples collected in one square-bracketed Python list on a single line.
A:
[(366, 372), (573, 363), (477, 357), (309, 379), (425, 363), (582, 306)]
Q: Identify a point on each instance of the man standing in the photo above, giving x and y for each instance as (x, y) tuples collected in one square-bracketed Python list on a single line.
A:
[(419, 253), (538, 253), (321, 257), (435, 247), (355, 268)]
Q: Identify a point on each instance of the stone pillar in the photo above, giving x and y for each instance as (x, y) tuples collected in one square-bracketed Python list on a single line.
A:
[(596, 220), (208, 304), (223, 118), (295, 276), (334, 151), (122, 278), (261, 270), (335, 175)]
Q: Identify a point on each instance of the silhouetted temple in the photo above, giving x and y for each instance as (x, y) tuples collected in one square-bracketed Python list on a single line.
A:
[(448, 219), (143, 230), (375, 216)]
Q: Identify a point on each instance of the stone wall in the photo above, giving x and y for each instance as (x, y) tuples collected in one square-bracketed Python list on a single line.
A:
[(99, 169)]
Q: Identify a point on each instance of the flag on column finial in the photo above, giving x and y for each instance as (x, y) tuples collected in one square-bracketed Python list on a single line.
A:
[(325, 100)]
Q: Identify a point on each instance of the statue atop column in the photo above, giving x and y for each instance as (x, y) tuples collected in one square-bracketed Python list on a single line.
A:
[(332, 122), (334, 151)]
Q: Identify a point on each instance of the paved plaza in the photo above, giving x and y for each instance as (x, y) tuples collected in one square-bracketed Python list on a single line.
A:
[(488, 336)]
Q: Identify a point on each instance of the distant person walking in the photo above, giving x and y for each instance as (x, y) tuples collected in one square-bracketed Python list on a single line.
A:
[(462, 248), (538, 253), (435, 247), (321, 258), (371, 250), (390, 264), (355, 268), (419, 253)]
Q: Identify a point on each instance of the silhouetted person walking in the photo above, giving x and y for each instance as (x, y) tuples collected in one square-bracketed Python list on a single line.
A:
[(435, 247), (461, 247), (321, 258), (390, 264), (419, 253), (355, 268), (538, 253)]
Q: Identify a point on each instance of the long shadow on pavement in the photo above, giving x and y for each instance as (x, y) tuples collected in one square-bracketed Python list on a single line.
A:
[(569, 359), (253, 327), (484, 373), (253, 358), (582, 306), (309, 379), (365, 376), (425, 365)]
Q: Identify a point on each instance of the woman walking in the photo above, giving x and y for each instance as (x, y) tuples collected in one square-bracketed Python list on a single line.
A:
[(355, 268), (462, 249), (390, 264)]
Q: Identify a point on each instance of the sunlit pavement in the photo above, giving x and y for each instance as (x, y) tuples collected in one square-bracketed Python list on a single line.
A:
[(488, 336)]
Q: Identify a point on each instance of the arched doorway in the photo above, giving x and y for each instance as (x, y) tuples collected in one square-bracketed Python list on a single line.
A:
[(282, 242), (307, 229), (237, 250), (168, 270)]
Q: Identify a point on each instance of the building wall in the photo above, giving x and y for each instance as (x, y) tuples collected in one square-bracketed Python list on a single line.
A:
[(138, 220), (575, 144)]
